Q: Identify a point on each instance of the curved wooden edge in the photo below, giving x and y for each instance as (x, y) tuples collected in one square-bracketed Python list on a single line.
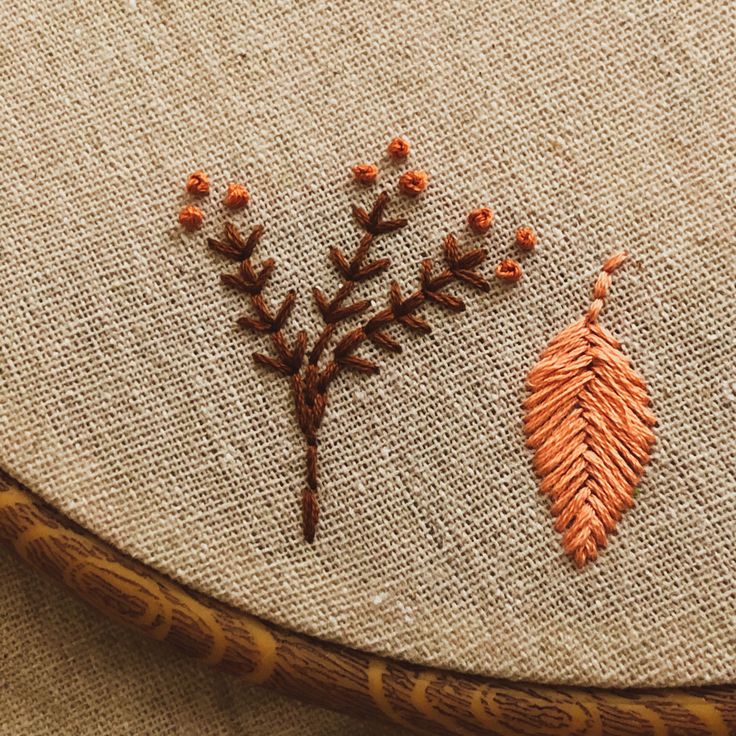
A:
[(423, 700)]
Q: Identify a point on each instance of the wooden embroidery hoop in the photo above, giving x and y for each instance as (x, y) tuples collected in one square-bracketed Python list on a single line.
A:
[(424, 700)]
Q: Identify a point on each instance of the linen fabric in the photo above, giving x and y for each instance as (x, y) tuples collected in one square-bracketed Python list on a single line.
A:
[(129, 399)]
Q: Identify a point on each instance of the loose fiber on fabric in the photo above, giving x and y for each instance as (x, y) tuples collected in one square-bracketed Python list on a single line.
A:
[(128, 398)]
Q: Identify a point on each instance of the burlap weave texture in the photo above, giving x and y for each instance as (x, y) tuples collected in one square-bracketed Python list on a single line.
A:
[(128, 396)]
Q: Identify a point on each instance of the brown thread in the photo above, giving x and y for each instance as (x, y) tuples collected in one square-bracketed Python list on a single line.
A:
[(311, 380), (413, 183), (190, 217), (198, 183), (480, 220), (526, 238), (589, 423), (236, 196), (398, 149), (365, 173), (509, 270)]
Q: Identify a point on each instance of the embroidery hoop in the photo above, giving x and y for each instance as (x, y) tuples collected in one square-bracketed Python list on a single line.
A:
[(346, 680)]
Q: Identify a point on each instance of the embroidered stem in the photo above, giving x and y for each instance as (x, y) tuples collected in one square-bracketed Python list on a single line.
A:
[(603, 284), (310, 394), (310, 383)]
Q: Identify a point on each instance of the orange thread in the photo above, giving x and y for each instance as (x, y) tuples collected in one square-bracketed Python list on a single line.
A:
[(480, 220), (589, 423), (509, 270), (236, 196), (398, 149), (365, 173), (190, 217), (526, 238), (198, 183), (413, 183)]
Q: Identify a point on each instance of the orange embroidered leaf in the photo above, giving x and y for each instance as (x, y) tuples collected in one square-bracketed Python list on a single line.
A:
[(589, 423)]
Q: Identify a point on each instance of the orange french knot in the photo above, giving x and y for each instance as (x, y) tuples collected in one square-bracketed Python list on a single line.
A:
[(526, 238), (198, 183), (509, 270), (413, 183), (398, 149), (589, 423), (236, 196), (191, 217), (480, 220), (365, 173)]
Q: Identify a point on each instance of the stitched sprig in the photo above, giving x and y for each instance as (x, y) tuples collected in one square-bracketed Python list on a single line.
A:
[(404, 310), (249, 280), (311, 379), (311, 365)]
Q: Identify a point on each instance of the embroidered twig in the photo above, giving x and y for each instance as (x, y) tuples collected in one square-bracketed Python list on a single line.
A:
[(589, 423), (312, 373)]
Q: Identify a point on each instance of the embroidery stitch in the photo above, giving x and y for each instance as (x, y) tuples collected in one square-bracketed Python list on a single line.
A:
[(236, 196), (480, 220), (526, 238), (413, 183), (311, 381), (190, 217), (589, 424), (365, 173), (398, 149), (198, 184), (509, 270)]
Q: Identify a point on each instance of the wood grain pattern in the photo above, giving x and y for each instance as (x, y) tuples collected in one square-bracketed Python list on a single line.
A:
[(424, 700)]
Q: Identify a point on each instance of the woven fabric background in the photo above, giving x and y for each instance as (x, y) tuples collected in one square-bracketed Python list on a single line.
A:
[(65, 670), (129, 399)]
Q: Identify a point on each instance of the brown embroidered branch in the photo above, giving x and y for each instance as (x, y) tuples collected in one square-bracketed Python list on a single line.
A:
[(310, 381)]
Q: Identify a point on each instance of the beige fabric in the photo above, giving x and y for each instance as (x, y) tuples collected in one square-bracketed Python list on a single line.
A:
[(129, 397), (65, 670)]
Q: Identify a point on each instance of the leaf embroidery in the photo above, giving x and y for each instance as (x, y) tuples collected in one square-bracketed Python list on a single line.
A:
[(589, 423)]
